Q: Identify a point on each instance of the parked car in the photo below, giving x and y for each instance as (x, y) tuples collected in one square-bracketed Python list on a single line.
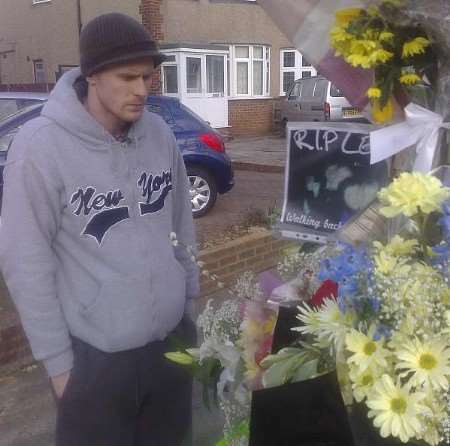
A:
[(208, 166), (12, 102), (315, 99)]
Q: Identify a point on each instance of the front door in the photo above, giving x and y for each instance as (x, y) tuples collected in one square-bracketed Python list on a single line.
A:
[(204, 85)]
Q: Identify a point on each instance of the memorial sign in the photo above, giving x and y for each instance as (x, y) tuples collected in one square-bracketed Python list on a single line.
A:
[(328, 178)]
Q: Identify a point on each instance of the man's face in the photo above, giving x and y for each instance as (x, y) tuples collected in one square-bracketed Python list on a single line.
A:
[(121, 91)]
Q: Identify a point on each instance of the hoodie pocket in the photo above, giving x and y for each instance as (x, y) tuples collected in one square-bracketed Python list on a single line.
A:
[(169, 283), (123, 314)]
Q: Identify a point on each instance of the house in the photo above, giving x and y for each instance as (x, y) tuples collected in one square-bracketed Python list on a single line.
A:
[(227, 60)]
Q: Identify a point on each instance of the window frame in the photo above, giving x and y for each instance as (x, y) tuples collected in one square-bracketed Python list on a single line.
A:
[(298, 69), (223, 62), (35, 62), (265, 60)]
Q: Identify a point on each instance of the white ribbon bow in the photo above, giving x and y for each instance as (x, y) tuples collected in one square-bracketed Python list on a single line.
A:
[(421, 127)]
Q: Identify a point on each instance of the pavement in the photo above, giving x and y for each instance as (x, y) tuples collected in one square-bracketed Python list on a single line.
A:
[(258, 153), (27, 410)]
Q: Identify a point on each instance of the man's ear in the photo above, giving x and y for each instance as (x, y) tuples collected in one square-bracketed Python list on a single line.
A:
[(92, 80)]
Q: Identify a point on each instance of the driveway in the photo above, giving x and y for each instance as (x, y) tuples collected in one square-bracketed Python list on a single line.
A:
[(254, 195)]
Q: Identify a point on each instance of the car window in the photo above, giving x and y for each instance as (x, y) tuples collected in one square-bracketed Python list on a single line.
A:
[(162, 111), (308, 88), (320, 88), (187, 119), (295, 91), (10, 106), (335, 92), (6, 138)]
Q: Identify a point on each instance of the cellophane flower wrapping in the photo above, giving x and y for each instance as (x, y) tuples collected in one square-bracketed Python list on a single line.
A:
[(389, 328), (238, 334), (434, 16)]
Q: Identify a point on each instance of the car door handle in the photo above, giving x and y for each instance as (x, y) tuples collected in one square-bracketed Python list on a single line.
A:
[(299, 106)]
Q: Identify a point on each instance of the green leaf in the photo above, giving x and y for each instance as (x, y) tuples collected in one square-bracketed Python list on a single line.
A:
[(180, 358), (306, 371), (281, 372), (282, 355)]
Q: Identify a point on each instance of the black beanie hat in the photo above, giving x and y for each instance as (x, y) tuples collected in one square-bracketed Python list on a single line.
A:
[(115, 38)]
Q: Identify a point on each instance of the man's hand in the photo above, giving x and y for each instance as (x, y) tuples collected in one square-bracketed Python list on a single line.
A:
[(59, 383)]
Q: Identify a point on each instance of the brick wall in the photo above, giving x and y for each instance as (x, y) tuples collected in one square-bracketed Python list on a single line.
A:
[(152, 19), (254, 252), (250, 116)]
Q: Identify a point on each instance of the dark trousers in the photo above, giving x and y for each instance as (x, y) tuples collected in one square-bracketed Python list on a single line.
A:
[(130, 398)]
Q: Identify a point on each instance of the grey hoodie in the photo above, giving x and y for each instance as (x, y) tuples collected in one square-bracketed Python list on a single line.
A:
[(84, 238)]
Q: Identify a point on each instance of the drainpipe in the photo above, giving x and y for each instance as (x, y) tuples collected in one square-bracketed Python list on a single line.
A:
[(79, 16)]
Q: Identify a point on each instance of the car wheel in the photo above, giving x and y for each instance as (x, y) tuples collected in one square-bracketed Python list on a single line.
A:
[(203, 190)]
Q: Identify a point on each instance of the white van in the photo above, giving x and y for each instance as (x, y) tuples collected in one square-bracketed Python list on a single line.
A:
[(316, 99)]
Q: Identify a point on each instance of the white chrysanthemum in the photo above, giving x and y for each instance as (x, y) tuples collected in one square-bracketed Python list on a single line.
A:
[(366, 352), (395, 410), (426, 363), (362, 382), (433, 422), (327, 323)]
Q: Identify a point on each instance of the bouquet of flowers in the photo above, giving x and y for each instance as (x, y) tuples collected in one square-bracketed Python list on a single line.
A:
[(388, 329), (380, 38), (237, 335)]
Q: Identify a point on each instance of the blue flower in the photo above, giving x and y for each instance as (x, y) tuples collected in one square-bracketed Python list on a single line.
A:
[(444, 221), (382, 331)]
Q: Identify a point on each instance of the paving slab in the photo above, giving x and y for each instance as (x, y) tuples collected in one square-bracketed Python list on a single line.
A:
[(259, 153)]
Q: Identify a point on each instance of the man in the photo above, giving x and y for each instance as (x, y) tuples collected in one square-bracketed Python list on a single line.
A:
[(93, 189)]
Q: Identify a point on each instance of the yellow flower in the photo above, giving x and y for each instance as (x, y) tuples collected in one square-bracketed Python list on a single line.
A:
[(374, 93), (395, 410), (180, 358), (398, 246), (358, 60), (387, 264), (371, 34), (345, 16), (380, 56), (428, 363), (414, 47), (366, 352), (382, 115), (386, 36), (410, 79), (363, 46), (411, 192), (341, 40)]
